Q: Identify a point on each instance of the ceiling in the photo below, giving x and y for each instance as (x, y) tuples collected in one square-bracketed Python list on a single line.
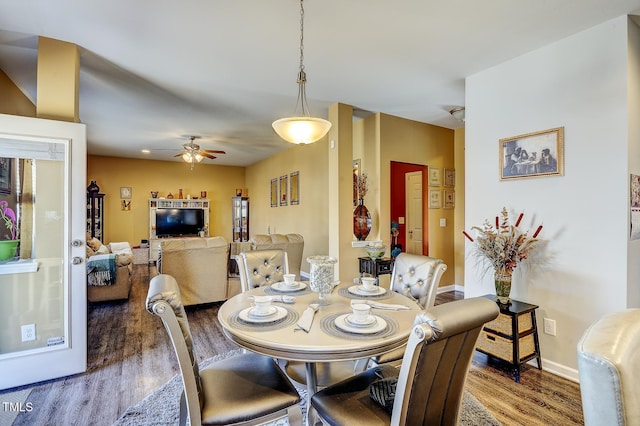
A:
[(154, 72)]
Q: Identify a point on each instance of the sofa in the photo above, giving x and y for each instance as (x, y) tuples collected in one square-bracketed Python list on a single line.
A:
[(199, 265), (293, 244), (109, 269)]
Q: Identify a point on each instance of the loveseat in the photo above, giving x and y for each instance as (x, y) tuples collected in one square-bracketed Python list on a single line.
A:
[(199, 265), (109, 269), (293, 244)]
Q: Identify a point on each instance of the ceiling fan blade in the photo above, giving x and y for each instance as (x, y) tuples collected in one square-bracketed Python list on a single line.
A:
[(179, 155), (213, 151), (204, 154)]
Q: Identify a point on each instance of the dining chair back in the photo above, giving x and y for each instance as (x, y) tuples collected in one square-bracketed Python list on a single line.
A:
[(243, 389), (262, 267), (417, 277), (430, 382)]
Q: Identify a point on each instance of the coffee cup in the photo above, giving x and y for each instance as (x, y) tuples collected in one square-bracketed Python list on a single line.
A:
[(361, 312), (368, 283), (263, 303), (289, 280)]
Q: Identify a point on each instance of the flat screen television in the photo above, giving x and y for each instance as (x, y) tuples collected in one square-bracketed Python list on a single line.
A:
[(179, 222)]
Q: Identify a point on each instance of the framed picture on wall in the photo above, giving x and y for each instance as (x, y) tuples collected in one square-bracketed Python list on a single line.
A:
[(435, 199), (274, 192), (435, 179), (294, 188), (5, 175), (283, 190), (449, 199), (537, 154), (449, 178)]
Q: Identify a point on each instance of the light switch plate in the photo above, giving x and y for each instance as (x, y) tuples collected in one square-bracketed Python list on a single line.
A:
[(443, 222)]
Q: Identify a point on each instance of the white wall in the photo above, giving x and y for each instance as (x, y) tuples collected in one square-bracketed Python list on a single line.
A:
[(579, 83)]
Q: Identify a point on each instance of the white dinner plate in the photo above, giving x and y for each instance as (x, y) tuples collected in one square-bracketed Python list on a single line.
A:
[(247, 315), (360, 291), (342, 324), (351, 320), (282, 287)]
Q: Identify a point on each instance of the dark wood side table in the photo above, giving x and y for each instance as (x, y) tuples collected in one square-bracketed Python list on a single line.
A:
[(380, 266), (513, 336)]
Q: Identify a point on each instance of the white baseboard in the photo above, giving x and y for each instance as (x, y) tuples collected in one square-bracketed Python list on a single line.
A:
[(557, 369)]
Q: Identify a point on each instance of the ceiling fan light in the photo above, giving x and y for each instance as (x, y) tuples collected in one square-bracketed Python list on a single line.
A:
[(301, 130), (198, 157), (186, 157)]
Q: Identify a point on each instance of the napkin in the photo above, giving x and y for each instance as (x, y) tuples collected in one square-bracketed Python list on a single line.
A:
[(379, 305), (306, 319)]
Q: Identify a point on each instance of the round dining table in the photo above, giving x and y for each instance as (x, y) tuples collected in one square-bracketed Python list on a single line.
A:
[(329, 337)]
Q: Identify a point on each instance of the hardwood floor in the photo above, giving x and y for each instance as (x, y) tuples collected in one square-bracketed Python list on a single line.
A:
[(129, 356)]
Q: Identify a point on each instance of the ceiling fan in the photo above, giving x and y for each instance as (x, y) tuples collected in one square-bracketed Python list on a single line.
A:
[(193, 154)]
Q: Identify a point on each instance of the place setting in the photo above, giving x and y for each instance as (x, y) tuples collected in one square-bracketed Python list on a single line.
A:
[(289, 285), (360, 322), (262, 314), (367, 289)]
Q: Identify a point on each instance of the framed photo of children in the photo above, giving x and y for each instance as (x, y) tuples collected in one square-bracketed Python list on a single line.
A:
[(536, 154)]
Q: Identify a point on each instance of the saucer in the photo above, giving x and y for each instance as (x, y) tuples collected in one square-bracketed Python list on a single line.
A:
[(342, 324), (254, 313), (247, 315), (360, 291), (282, 287), (351, 320)]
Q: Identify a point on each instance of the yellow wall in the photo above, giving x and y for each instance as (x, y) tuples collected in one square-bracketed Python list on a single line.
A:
[(12, 100), (418, 143), (310, 217), (144, 176), (458, 227)]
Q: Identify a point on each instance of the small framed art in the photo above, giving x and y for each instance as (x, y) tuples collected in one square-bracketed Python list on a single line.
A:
[(283, 190), (449, 178), (449, 198), (435, 178), (294, 188), (125, 192), (435, 199), (274, 192)]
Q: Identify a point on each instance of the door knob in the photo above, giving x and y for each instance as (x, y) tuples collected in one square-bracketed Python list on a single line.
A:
[(77, 260), (77, 243)]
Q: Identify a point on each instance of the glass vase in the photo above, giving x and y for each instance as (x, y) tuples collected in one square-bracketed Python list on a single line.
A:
[(321, 276), (502, 279)]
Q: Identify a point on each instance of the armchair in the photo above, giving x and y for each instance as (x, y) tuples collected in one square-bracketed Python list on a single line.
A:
[(199, 265), (430, 382), (609, 368)]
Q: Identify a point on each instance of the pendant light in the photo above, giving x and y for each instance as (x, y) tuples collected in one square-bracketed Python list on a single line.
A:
[(301, 129)]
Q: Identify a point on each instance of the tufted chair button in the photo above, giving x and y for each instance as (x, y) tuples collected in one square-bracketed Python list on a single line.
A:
[(267, 278), (412, 270), (419, 283), (255, 272), (266, 262)]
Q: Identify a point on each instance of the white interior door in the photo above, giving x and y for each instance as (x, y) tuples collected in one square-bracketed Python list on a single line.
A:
[(413, 203), (43, 294)]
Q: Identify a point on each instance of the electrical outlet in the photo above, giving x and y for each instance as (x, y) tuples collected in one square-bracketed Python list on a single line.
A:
[(550, 326), (28, 332)]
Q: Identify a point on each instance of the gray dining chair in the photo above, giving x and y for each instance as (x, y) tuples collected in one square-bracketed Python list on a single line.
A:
[(261, 267), (417, 277), (430, 381), (244, 389)]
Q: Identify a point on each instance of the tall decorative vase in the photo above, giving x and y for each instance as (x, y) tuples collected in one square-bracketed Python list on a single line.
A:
[(502, 280), (321, 276), (361, 221), (8, 249)]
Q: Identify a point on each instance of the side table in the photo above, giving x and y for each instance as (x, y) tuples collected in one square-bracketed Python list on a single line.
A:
[(513, 336), (378, 267), (140, 255)]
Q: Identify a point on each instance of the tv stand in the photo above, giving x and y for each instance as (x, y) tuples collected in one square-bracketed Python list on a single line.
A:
[(163, 203)]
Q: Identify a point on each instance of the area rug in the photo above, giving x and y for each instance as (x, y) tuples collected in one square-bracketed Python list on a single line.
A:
[(162, 406)]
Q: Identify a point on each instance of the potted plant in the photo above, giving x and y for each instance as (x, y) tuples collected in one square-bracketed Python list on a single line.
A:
[(8, 218)]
